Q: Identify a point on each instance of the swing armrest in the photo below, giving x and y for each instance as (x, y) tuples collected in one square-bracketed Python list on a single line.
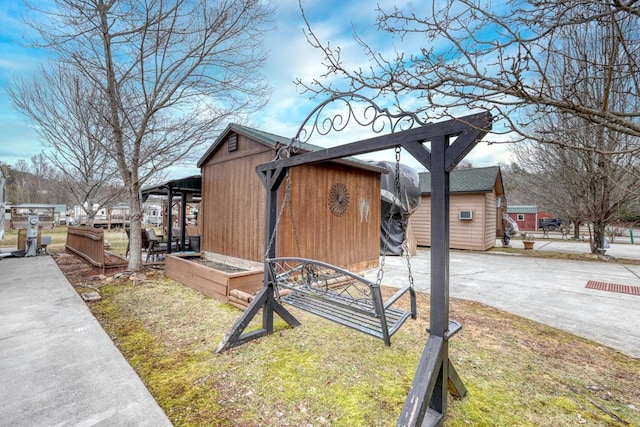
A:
[(388, 303)]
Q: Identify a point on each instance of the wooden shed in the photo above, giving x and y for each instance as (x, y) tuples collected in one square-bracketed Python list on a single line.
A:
[(525, 216), (476, 205), (333, 214)]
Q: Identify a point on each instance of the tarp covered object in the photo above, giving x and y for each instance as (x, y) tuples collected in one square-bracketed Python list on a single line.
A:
[(397, 208)]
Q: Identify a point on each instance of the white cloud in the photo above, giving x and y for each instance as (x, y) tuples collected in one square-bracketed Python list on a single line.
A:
[(291, 58)]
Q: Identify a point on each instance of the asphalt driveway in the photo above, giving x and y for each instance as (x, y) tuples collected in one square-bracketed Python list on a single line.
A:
[(549, 291)]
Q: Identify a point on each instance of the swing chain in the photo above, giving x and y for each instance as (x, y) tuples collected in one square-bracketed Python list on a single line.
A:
[(287, 196), (405, 243), (293, 218), (396, 193), (285, 201), (405, 247)]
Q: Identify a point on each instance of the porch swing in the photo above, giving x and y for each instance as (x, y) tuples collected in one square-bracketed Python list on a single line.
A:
[(439, 147), (337, 294)]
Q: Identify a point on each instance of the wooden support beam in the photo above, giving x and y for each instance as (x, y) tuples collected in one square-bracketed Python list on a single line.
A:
[(426, 403), (419, 135), (265, 301), (416, 408)]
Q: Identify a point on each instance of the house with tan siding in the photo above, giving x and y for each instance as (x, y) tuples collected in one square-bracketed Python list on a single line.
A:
[(477, 203)]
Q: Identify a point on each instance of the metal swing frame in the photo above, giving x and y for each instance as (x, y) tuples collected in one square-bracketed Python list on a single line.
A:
[(450, 141)]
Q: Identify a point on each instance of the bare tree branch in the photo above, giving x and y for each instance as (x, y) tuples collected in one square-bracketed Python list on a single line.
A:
[(498, 56), (171, 74), (69, 118)]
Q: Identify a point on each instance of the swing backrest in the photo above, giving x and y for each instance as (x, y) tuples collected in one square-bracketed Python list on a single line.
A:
[(339, 295)]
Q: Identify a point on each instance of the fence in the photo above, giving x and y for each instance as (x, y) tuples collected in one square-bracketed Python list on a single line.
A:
[(88, 243)]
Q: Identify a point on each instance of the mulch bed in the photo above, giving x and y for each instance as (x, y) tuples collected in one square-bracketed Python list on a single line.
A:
[(218, 265)]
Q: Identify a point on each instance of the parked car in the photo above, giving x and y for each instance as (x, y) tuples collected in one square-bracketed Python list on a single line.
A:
[(549, 223)]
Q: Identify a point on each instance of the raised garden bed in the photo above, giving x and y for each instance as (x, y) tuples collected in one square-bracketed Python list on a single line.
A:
[(215, 275)]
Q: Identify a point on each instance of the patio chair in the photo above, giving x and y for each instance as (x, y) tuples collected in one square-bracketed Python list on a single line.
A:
[(154, 245)]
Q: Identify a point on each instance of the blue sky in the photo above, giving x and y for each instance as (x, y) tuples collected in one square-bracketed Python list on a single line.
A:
[(291, 57)]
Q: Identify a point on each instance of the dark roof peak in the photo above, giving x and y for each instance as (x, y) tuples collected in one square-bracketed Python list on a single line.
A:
[(275, 141), (472, 180)]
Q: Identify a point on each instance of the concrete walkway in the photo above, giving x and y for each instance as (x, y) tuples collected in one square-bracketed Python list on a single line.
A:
[(549, 291), (58, 367)]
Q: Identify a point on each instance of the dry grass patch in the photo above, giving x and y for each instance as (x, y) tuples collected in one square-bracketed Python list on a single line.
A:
[(518, 372), (564, 255)]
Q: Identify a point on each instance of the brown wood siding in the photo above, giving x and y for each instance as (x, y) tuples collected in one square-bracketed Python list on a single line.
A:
[(232, 213), (350, 241), (233, 200), (464, 234)]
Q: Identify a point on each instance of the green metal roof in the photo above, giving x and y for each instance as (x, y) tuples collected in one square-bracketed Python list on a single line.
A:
[(189, 185), (478, 180), (277, 141), (522, 209)]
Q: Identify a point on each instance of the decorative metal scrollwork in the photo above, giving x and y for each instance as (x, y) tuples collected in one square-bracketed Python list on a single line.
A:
[(335, 113), (339, 199)]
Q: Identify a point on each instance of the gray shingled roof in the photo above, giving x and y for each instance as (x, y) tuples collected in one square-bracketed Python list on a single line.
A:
[(479, 180)]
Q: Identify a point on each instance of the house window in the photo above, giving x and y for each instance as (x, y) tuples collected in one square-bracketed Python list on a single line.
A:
[(232, 142), (520, 217)]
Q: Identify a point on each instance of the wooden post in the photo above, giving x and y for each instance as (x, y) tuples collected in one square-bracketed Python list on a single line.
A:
[(426, 403), (265, 299)]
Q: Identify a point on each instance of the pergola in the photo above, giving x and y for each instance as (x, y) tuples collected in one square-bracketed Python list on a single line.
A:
[(186, 189)]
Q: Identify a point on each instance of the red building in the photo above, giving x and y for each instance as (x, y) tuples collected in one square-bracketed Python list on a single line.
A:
[(525, 216)]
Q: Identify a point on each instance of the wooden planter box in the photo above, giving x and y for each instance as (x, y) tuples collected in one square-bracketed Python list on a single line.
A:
[(218, 280)]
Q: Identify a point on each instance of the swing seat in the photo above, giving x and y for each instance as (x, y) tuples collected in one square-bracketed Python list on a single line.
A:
[(339, 295)]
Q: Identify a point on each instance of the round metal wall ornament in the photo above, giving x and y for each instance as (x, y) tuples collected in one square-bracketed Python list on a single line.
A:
[(339, 199)]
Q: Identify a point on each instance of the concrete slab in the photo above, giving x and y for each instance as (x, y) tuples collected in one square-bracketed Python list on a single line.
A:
[(549, 291), (58, 365)]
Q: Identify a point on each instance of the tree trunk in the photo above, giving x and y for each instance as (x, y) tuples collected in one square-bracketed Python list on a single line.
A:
[(135, 235), (91, 217), (597, 244), (576, 229)]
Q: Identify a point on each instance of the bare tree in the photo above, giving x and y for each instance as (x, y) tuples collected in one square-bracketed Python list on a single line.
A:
[(582, 185), (170, 72), (45, 179), (22, 184), (514, 179), (596, 182), (70, 119), (497, 56)]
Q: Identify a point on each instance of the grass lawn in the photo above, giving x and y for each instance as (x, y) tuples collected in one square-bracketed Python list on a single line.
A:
[(517, 372)]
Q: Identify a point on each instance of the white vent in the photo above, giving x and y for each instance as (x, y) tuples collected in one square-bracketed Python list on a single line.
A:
[(466, 215)]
